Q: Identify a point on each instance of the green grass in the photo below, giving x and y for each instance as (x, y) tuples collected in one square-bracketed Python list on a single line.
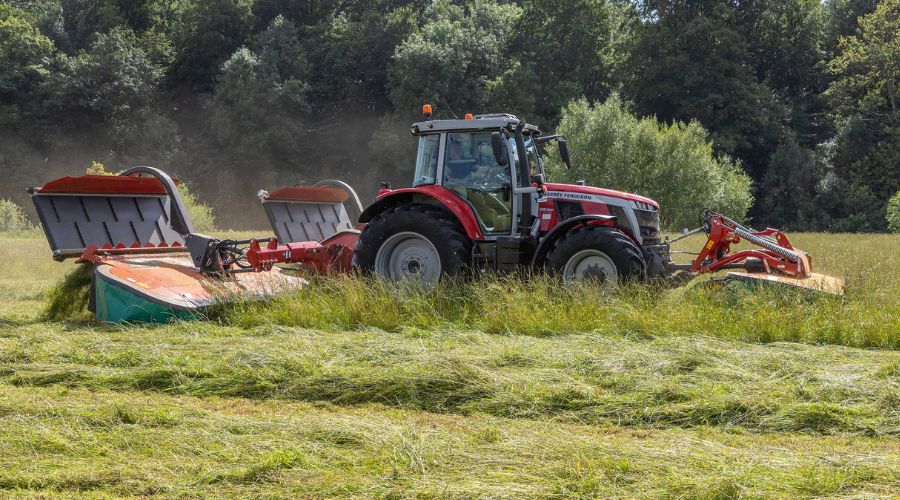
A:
[(498, 388), (661, 383), (541, 306), (868, 315), (139, 443)]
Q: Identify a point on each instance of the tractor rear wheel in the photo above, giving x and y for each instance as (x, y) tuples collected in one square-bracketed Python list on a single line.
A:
[(596, 253), (413, 241)]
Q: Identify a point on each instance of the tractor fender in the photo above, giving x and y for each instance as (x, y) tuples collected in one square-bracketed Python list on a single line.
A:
[(561, 229), (429, 195)]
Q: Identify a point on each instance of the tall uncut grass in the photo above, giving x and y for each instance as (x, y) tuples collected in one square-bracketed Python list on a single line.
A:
[(867, 315), (543, 306)]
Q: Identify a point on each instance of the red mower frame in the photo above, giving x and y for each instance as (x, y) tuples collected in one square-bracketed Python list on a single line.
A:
[(776, 254)]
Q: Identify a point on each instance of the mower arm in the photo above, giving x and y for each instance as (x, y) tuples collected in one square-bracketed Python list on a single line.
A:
[(775, 255)]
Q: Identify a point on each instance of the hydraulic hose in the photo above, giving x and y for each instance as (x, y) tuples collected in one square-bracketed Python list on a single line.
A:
[(763, 242), (746, 233)]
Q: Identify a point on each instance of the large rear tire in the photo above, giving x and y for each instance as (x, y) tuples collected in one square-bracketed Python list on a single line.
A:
[(413, 241), (597, 253)]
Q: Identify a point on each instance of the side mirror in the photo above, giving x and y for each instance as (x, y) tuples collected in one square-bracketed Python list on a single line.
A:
[(564, 153), (499, 146)]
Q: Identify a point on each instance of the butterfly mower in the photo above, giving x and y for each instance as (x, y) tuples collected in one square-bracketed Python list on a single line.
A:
[(479, 202)]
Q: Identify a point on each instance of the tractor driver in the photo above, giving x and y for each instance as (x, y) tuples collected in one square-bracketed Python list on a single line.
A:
[(462, 175), (474, 179), (460, 168), (455, 150), (488, 171)]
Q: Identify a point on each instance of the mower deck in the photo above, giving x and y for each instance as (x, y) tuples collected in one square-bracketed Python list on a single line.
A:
[(160, 287)]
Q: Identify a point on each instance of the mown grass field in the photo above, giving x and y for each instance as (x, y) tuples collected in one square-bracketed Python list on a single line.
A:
[(496, 388)]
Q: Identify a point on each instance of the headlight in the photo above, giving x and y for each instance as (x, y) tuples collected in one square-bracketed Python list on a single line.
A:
[(640, 205)]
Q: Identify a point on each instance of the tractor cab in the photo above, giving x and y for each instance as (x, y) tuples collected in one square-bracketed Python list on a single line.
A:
[(476, 159)]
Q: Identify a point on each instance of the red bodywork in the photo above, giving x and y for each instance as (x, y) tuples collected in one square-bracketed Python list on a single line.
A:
[(591, 200), (456, 205), (777, 253), (105, 184), (590, 190)]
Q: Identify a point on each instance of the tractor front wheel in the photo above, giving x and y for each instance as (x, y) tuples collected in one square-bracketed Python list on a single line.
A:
[(596, 253), (415, 242)]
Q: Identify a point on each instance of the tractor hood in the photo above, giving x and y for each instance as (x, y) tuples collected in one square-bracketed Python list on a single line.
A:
[(576, 192)]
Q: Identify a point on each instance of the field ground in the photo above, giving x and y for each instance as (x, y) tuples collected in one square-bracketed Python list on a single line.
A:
[(356, 388)]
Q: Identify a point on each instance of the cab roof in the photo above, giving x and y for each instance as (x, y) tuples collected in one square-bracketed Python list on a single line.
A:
[(479, 122)]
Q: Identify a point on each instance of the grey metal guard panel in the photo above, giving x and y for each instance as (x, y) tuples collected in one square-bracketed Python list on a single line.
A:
[(295, 221), (73, 222)]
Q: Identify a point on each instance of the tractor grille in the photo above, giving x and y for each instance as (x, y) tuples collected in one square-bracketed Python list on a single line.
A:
[(648, 220), (568, 209), (621, 216)]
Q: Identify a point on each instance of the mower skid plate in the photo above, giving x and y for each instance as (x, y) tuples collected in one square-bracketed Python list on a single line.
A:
[(814, 281)]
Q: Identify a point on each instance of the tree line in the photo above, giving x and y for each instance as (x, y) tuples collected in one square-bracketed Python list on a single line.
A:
[(799, 96)]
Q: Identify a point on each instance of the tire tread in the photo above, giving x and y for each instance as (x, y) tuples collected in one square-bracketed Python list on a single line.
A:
[(620, 248)]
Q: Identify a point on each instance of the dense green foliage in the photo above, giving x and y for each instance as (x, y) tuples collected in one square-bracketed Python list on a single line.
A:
[(200, 213), (893, 213), (237, 95), (454, 57), (673, 164), (865, 153)]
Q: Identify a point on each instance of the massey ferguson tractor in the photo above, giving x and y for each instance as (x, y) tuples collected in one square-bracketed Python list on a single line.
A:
[(479, 202)]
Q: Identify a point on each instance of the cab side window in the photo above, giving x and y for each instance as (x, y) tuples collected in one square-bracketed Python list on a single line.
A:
[(473, 174), (469, 162), (427, 160), (459, 160)]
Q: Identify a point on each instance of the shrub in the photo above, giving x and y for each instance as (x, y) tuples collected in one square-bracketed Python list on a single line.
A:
[(673, 164), (13, 218), (98, 168), (893, 213), (200, 213)]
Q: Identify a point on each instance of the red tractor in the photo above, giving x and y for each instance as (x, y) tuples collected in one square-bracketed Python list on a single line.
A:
[(480, 200)]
